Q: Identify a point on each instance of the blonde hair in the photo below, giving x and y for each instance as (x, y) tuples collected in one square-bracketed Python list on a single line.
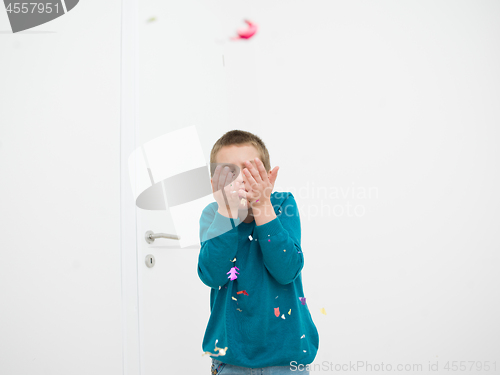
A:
[(240, 137)]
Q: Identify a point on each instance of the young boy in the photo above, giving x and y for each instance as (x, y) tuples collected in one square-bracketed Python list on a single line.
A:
[(252, 259)]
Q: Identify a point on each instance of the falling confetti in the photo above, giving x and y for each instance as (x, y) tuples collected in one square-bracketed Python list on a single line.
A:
[(303, 300), (277, 311), (250, 237), (219, 287), (323, 311), (284, 250), (305, 351), (232, 273), (268, 240), (276, 297), (221, 351), (256, 201), (243, 292), (234, 260), (234, 298), (283, 316), (303, 336), (240, 310), (248, 32), (290, 312)]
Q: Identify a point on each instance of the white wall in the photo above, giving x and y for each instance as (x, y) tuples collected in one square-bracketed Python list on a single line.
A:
[(60, 280)]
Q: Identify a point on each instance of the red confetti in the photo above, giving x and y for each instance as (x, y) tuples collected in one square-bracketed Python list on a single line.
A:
[(277, 311), (248, 32), (243, 291)]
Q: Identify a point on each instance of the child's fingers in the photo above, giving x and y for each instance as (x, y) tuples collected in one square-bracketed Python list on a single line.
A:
[(261, 169)]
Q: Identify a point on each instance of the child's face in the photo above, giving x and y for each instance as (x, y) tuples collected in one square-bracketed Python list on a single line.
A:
[(238, 154)]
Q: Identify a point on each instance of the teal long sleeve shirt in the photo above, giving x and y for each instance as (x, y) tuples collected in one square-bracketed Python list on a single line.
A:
[(268, 324)]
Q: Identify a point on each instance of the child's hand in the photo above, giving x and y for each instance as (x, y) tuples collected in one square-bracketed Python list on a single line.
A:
[(261, 186), (226, 190)]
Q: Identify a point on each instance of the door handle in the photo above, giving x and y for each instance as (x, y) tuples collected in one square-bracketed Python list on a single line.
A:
[(151, 236)]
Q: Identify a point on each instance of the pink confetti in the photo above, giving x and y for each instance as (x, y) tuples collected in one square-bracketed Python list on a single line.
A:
[(248, 32), (268, 240), (277, 311), (232, 273), (303, 300)]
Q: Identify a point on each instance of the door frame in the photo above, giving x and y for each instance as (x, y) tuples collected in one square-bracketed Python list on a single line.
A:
[(131, 355)]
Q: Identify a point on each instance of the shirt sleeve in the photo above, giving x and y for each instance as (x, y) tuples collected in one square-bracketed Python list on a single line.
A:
[(279, 241), (219, 245)]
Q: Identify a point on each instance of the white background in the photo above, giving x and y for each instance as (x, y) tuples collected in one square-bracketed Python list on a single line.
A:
[(398, 97)]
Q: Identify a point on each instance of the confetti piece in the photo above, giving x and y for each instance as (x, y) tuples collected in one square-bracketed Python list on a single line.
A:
[(221, 351), (305, 351), (256, 201), (240, 310), (303, 336), (290, 312), (232, 273), (268, 240), (283, 316), (234, 260), (243, 292), (276, 297), (234, 298), (323, 311), (152, 19), (299, 252), (250, 237), (284, 250), (243, 201), (303, 300), (248, 32), (219, 287), (277, 311)]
